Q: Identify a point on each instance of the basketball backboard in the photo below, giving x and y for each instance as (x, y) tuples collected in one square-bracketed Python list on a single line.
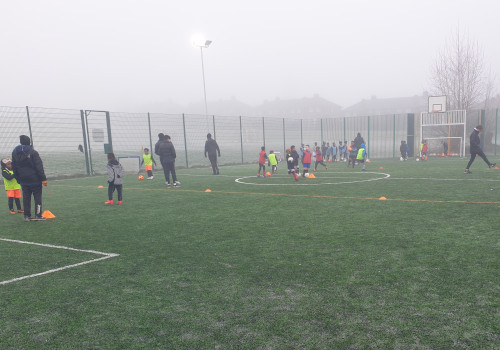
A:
[(437, 104)]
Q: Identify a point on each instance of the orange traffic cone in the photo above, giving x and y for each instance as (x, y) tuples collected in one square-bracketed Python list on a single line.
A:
[(48, 215), (208, 190), (100, 186), (382, 198), (311, 176)]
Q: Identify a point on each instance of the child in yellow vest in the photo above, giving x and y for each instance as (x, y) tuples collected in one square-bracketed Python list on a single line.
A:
[(148, 160), (273, 162), (11, 186)]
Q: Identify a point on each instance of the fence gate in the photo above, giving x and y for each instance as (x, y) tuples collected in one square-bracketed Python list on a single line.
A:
[(96, 126)]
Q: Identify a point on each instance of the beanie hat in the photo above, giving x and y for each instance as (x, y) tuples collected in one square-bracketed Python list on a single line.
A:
[(209, 135), (25, 140)]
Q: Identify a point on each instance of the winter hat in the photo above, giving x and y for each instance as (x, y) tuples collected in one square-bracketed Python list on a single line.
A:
[(209, 135), (25, 140), (6, 160)]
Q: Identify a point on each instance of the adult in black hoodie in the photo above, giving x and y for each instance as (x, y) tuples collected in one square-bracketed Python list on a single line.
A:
[(475, 149), (28, 171), (166, 151), (212, 148)]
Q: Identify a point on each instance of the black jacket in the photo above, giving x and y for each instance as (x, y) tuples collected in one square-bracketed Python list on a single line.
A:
[(359, 140), (475, 142), (166, 151), (211, 147), (27, 166)]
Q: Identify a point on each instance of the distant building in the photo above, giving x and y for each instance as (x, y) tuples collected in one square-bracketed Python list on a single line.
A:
[(385, 106)]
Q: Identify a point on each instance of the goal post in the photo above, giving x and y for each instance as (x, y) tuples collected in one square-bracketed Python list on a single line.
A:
[(130, 164), (449, 126), (454, 146)]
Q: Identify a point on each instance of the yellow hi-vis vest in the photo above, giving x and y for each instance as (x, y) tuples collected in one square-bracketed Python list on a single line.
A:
[(11, 184), (147, 159), (360, 154), (272, 159)]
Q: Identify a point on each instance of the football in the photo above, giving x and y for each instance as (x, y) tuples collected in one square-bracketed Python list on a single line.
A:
[(141, 177), (306, 175), (290, 159), (268, 174), (417, 159), (401, 159)]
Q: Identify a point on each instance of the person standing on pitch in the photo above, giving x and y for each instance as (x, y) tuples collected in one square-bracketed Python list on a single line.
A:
[(115, 179), (29, 173), (262, 161), (157, 144), (167, 158), (148, 160), (361, 158), (272, 162), (306, 161), (212, 148), (475, 149), (12, 188)]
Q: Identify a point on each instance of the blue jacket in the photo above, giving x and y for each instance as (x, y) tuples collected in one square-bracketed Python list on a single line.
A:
[(27, 166)]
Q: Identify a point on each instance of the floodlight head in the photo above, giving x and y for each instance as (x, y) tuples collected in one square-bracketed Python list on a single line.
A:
[(199, 41)]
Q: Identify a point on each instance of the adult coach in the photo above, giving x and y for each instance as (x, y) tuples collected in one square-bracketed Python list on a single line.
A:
[(212, 148), (28, 171), (359, 140), (167, 154), (475, 149)]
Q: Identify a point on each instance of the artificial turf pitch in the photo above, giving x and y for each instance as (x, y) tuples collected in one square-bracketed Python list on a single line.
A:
[(261, 267)]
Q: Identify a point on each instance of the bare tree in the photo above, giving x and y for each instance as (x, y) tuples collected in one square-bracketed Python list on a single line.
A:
[(459, 73)]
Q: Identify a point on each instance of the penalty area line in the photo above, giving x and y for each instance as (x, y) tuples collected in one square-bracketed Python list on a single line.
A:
[(104, 257)]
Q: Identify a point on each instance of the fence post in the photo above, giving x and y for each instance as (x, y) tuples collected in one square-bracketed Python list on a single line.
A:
[(150, 137), (301, 138), (241, 141), (263, 132), (367, 148), (344, 131), (482, 122), (496, 132), (321, 124), (185, 141), (85, 143), (284, 137), (108, 125), (393, 136), (213, 124), (29, 123)]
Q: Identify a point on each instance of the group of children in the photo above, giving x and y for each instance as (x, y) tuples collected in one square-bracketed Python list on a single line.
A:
[(357, 155)]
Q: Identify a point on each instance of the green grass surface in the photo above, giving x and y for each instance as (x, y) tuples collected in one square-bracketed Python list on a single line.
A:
[(262, 267)]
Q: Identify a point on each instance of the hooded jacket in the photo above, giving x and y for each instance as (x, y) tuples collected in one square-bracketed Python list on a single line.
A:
[(115, 172), (475, 142), (27, 166), (166, 151)]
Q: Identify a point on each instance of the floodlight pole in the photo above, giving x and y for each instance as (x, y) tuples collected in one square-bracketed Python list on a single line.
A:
[(205, 46)]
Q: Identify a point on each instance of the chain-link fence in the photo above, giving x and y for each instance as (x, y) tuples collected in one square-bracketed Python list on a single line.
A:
[(75, 142)]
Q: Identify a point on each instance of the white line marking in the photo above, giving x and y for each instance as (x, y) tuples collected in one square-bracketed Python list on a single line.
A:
[(106, 256), (386, 176), (434, 179)]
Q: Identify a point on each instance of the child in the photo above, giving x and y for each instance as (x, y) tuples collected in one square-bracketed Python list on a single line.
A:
[(262, 161), (341, 151), (425, 149), (402, 149), (115, 179), (306, 161), (319, 160), (148, 160), (334, 152), (11, 186), (273, 162), (362, 155), (290, 159), (353, 152), (296, 158)]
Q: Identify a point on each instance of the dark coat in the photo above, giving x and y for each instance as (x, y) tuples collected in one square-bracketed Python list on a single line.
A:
[(358, 141), (211, 147), (475, 142), (166, 151), (27, 166)]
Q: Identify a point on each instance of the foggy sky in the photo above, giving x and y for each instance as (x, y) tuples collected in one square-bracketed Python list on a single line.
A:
[(124, 55)]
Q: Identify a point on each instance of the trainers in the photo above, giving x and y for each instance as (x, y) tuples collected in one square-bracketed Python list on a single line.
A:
[(108, 202), (326, 167), (11, 211), (177, 182), (176, 186), (27, 218), (168, 185), (493, 165), (20, 211), (467, 171), (38, 218), (119, 203)]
